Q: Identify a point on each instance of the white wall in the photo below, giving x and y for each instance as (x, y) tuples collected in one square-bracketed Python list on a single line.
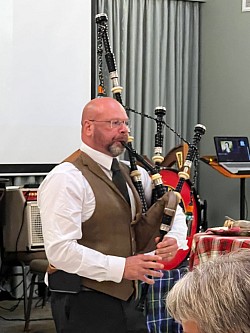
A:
[(225, 99), (45, 63)]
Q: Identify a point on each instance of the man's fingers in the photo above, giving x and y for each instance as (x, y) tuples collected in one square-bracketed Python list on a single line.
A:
[(167, 241), (152, 274), (164, 251), (137, 267), (153, 265), (151, 262), (149, 257)]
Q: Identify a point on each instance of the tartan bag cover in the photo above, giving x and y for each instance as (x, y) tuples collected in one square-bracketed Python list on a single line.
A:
[(158, 319)]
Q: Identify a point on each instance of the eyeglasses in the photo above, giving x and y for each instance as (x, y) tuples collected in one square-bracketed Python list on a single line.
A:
[(113, 123)]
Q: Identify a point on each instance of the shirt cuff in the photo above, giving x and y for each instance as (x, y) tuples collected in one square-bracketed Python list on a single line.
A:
[(116, 268)]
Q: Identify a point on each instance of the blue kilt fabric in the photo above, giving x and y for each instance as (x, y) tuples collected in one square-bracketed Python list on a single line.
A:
[(158, 319)]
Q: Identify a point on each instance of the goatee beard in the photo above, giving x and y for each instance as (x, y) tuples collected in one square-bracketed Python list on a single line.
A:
[(116, 150)]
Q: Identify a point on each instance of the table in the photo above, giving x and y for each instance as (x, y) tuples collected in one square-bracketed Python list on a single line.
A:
[(207, 246), (212, 162)]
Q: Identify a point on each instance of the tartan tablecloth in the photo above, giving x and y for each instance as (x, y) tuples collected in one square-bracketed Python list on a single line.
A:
[(208, 246), (158, 319)]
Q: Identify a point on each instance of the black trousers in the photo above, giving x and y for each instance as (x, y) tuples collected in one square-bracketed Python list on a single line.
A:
[(94, 312)]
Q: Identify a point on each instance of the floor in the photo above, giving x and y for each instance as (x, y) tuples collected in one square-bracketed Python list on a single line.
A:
[(13, 321)]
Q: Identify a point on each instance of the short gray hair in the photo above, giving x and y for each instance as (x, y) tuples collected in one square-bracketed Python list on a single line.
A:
[(215, 295)]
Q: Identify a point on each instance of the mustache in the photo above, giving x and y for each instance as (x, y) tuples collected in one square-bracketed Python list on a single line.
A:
[(122, 139)]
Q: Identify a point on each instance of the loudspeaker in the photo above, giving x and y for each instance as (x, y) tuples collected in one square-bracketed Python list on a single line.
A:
[(22, 228)]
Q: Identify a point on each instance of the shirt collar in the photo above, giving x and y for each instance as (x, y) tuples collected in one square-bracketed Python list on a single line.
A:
[(102, 159)]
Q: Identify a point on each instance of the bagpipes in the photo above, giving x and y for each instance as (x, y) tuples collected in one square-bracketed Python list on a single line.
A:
[(181, 178)]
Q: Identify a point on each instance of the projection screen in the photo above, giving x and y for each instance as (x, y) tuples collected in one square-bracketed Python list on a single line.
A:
[(45, 69)]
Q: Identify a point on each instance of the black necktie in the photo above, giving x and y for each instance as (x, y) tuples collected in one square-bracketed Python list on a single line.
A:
[(119, 180)]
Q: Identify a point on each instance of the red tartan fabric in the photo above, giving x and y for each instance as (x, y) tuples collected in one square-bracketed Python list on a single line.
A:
[(206, 247)]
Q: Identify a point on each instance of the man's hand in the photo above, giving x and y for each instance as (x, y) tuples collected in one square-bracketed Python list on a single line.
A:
[(167, 248), (139, 266)]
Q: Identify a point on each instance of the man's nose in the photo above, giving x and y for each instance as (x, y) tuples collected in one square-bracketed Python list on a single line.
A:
[(124, 128)]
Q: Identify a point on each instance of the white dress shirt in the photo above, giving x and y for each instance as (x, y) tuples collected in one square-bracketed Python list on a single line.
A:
[(66, 200)]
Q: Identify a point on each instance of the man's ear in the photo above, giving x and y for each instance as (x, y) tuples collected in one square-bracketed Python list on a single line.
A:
[(87, 128)]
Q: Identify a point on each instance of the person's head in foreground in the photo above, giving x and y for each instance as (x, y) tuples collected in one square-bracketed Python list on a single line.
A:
[(215, 296)]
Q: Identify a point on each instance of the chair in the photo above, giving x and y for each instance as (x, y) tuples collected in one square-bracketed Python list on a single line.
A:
[(23, 260), (38, 267)]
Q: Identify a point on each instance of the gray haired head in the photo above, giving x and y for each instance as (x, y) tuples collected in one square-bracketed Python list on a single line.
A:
[(215, 295)]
